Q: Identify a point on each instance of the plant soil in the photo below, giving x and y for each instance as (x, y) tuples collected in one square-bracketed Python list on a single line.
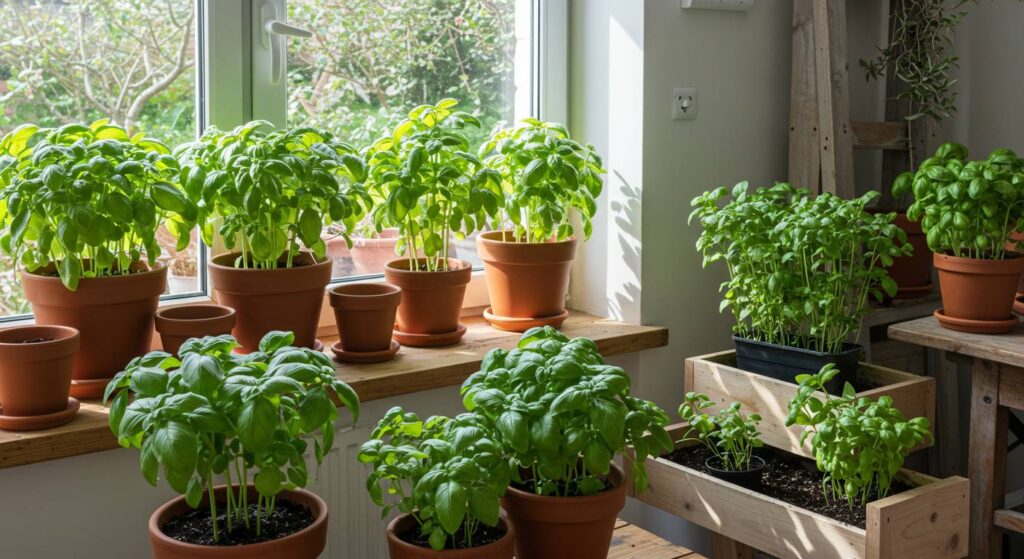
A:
[(565, 488), (792, 479), (36, 340), (483, 535), (194, 527)]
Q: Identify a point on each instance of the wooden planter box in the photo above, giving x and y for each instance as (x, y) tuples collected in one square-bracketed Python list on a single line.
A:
[(927, 522), (716, 375)]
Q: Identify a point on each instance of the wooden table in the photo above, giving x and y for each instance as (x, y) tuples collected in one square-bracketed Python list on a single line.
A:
[(997, 385), (412, 370), (631, 542)]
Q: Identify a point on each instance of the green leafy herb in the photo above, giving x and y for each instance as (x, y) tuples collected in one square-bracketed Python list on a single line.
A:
[(731, 437)]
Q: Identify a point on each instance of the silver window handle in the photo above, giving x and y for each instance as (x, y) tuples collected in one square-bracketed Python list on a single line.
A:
[(273, 36)]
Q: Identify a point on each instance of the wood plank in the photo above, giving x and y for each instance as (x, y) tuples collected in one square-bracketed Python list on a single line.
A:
[(987, 462), (631, 542), (879, 135), (804, 151), (1009, 520), (833, 97), (905, 525), (1007, 349), (413, 370), (1011, 387)]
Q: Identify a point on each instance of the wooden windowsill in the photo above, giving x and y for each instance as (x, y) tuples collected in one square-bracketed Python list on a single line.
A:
[(412, 370)]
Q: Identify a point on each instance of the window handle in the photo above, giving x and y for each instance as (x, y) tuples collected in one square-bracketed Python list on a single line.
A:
[(273, 38)]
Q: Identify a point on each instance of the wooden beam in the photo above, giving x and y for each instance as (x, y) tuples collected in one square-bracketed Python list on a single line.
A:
[(879, 135), (833, 97), (804, 154)]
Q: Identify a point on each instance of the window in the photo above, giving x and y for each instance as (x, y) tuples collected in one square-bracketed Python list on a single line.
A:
[(153, 66)]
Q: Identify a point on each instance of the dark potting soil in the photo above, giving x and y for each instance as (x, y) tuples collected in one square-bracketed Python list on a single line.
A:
[(792, 479), (195, 527), (483, 535), (36, 340), (565, 488)]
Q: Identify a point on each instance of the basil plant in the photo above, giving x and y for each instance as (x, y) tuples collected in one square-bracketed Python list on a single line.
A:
[(801, 267), (859, 443), (87, 201), (447, 473), (728, 435), (431, 188), (210, 416), (966, 208), (545, 175), (561, 414), (272, 190)]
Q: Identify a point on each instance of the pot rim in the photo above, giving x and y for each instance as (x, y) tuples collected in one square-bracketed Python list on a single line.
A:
[(326, 261), (157, 268), (848, 347), (584, 499), (156, 530), (754, 459), (166, 314), (66, 341), (394, 267), (488, 237), (979, 266), (393, 538), (386, 290)]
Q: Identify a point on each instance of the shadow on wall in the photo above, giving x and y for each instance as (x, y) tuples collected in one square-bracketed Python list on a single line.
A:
[(626, 211)]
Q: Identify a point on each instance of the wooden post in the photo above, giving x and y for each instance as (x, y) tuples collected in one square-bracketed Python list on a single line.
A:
[(833, 97), (804, 155), (987, 470)]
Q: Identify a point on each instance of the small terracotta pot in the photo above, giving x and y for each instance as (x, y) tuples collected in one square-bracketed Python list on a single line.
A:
[(559, 527), (307, 543), (113, 314), (371, 254), (431, 301), (975, 289), (35, 368), (912, 274), (365, 314), (399, 549), (177, 324), (525, 280), (287, 299)]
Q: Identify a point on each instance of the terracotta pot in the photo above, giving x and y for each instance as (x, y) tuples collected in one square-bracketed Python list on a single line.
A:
[(365, 315), (307, 543), (559, 527), (371, 255), (399, 549), (912, 274), (1011, 247), (287, 299), (35, 368), (177, 324), (431, 301), (525, 280), (981, 290), (113, 314)]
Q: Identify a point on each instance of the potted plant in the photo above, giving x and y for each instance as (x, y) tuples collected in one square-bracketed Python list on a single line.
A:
[(801, 270), (446, 477), (177, 324), (546, 175), (271, 192), (229, 433), (432, 189), (969, 211), (365, 315), (730, 437), (83, 205), (561, 415), (35, 376)]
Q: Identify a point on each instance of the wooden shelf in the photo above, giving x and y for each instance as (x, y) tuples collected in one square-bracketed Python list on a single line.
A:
[(631, 542), (1007, 349), (413, 370)]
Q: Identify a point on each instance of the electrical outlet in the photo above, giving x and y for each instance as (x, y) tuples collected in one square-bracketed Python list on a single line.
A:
[(684, 103)]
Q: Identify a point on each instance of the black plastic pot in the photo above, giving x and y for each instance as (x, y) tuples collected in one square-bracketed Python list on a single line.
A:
[(785, 362), (751, 479)]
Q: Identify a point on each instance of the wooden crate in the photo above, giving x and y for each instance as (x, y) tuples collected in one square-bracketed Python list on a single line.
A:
[(716, 375), (929, 521)]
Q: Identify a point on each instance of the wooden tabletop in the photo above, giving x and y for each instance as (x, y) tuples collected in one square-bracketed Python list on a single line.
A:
[(1007, 349), (631, 542), (412, 370)]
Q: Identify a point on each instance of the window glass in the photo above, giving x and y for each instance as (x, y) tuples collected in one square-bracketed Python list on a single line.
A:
[(370, 62), (132, 61)]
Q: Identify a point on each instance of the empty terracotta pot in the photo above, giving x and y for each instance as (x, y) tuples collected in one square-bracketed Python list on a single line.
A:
[(307, 543), (177, 324), (912, 274), (525, 280), (35, 369), (400, 549), (559, 527), (978, 290), (365, 314), (371, 254), (113, 314), (431, 301), (287, 299)]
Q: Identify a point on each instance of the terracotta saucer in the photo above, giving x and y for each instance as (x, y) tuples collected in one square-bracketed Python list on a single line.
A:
[(365, 356), (914, 292), (429, 340), (510, 324), (1018, 304), (37, 422), (89, 388), (976, 326)]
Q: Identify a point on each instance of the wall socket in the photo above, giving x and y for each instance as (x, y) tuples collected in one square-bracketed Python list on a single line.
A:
[(684, 103)]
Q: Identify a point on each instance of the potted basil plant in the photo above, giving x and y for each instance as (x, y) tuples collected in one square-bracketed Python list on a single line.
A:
[(561, 415), (230, 433), (969, 211), (267, 194), (729, 436), (446, 476), (801, 272), (432, 189), (81, 208), (546, 177)]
